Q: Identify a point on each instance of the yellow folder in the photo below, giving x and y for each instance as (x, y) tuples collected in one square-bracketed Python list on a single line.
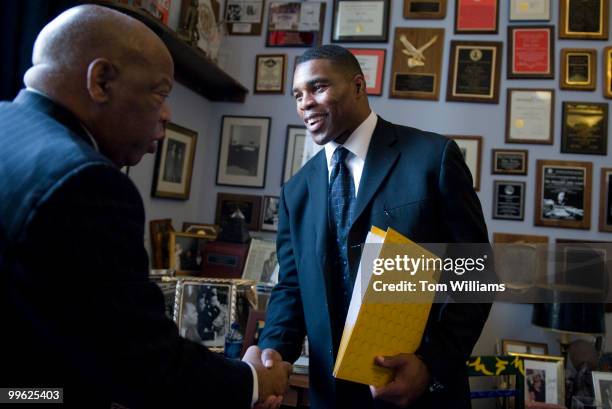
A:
[(380, 323)]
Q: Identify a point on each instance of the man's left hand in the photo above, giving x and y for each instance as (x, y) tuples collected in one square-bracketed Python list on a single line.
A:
[(410, 380)]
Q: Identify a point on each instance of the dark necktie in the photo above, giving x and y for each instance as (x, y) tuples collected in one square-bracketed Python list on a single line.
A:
[(341, 208)]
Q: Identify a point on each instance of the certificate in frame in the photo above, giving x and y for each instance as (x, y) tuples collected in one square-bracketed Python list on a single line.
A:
[(508, 200), (607, 72), (529, 116), (529, 10), (244, 17), (270, 71), (363, 21), (584, 19), (585, 128), (531, 52), (476, 16), (425, 9), (372, 62), (471, 149), (509, 161), (605, 201), (578, 69), (295, 24)]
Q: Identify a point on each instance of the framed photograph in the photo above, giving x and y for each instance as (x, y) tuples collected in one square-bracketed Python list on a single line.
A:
[(605, 201), (563, 194), (209, 231), (476, 16), (425, 9), (243, 151), (174, 163), (244, 17), (523, 347), (585, 128), (300, 148), (234, 205), (186, 253), (531, 52), (529, 116), (159, 233), (509, 161), (508, 200), (261, 262), (225, 260), (205, 311), (295, 24), (584, 19), (607, 72), (578, 69), (544, 378), (521, 260), (372, 63), (269, 214), (602, 385), (583, 266), (270, 71), (471, 148), (474, 71), (417, 63), (360, 21), (254, 327), (529, 10)]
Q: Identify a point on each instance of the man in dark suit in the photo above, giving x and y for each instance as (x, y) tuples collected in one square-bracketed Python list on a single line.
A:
[(371, 172), (78, 309)]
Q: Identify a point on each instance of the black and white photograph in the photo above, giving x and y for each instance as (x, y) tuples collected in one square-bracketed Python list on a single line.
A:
[(299, 149), (261, 261), (508, 200), (243, 151), (602, 385), (205, 313), (175, 158), (186, 252), (269, 214)]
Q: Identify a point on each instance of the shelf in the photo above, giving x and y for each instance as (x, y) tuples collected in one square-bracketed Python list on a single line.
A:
[(192, 67)]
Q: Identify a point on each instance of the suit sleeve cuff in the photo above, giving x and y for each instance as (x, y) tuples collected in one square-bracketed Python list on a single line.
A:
[(255, 397)]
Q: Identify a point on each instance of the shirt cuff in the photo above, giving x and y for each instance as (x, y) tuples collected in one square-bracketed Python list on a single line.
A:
[(255, 397)]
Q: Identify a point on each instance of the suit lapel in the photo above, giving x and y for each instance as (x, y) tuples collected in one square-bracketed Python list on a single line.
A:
[(317, 187)]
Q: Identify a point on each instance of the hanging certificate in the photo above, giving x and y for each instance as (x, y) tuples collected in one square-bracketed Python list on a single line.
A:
[(529, 116), (530, 52), (360, 21), (476, 16), (529, 10)]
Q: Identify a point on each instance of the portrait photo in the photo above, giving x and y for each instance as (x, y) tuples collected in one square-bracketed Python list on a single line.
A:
[(269, 213), (602, 385), (261, 261)]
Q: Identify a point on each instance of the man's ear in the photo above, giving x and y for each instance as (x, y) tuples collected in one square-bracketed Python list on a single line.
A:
[(100, 73), (360, 84)]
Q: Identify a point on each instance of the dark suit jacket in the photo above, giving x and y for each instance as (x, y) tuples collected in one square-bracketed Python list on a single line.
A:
[(415, 182), (78, 310)]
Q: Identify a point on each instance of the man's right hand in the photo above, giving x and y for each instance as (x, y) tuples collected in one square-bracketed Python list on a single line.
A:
[(273, 378)]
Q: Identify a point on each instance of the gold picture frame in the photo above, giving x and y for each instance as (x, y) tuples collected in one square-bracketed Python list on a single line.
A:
[(576, 19), (578, 69)]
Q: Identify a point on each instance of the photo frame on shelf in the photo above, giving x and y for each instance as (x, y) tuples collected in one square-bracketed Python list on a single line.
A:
[(578, 69), (359, 21), (605, 200), (523, 347), (174, 163), (467, 58), (509, 161), (607, 72), (584, 19), (563, 194), (269, 214), (270, 72), (295, 24), (531, 52), (529, 116), (209, 231), (532, 10), (372, 63), (299, 149), (476, 16), (584, 128), (159, 233), (244, 17), (521, 260), (247, 206), (544, 378), (186, 253), (508, 200), (602, 386), (471, 149), (425, 9), (243, 151), (261, 261)]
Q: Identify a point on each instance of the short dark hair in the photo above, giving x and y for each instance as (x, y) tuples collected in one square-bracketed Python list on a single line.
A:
[(340, 56)]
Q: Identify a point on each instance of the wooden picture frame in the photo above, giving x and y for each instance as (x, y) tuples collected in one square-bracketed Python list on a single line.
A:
[(509, 161), (270, 72), (533, 10), (474, 56), (261, 261), (243, 151), (295, 24), (360, 21), (425, 9), (476, 16), (299, 149), (545, 370), (255, 325), (607, 72), (578, 69), (579, 20), (174, 163), (584, 128), (531, 52), (471, 148), (417, 63), (530, 115), (605, 200), (372, 63), (159, 233), (244, 18), (269, 213), (523, 347), (508, 200), (229, 203), (563, 194)]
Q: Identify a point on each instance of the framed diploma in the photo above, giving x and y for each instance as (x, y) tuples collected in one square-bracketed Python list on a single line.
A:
[(585, 128), (563, 194), (295, 24), (529, 10), (529, 116), (605, 200), (417, 63), (584, 19), (474, 71), (471, 149), (270, 73), (244, 17), (476, 16), (531, 52), (607, 72), (509, 161), (578, 69), (363, 21), (425, 9), (372, 62), (508, 200)]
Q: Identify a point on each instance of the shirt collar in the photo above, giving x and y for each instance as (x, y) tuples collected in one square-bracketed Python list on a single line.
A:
[(358, 142)]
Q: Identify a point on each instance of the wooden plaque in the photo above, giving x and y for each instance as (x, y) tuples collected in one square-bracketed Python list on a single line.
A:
[(584, 19), (425, 9), (578, 69)]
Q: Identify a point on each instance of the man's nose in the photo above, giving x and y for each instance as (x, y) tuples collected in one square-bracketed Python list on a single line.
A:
[(166, 113), (306, 102)]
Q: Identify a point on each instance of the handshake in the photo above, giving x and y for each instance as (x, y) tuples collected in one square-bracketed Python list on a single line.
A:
[(272, 376)]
